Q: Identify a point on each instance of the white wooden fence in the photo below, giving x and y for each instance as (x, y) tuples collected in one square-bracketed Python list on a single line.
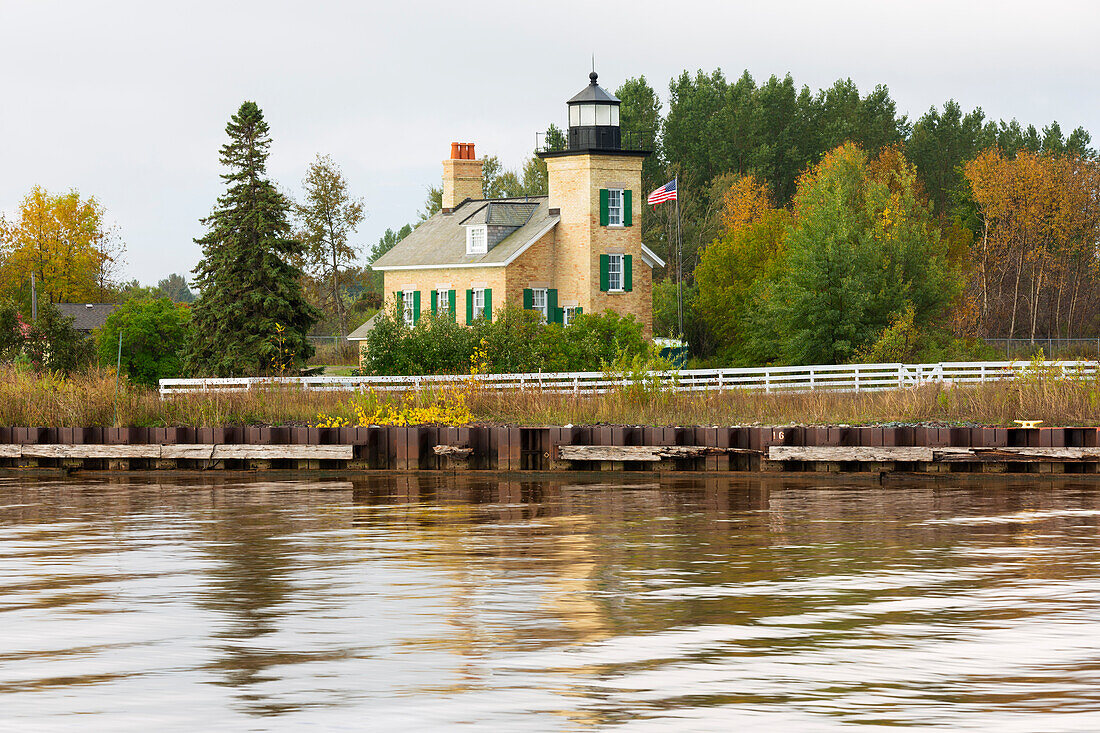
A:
[(839, 377)]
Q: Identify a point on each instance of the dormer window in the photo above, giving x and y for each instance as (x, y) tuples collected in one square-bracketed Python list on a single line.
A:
[(476, 240), (614, 207)]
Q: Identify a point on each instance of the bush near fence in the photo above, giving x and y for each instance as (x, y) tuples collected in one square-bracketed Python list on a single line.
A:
[(515, 340)]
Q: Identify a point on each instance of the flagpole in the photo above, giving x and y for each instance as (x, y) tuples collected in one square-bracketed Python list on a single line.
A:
[(679, 262)]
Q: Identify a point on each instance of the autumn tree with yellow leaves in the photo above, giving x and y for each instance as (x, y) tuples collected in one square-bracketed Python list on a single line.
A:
[(64, 241), (1035, 268)]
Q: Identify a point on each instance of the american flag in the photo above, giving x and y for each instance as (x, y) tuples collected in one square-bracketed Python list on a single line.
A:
[(666, 192)]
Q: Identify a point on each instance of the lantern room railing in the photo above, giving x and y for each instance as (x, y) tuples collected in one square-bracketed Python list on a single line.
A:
[(630, 141)]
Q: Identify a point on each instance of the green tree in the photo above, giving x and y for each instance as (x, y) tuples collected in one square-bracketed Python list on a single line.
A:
[(729, 276), (433, 204), (536, 178), (939, 146), (249, 288), (175, 288), (154, 332), (389, 240), (329, 216), (862, 248), (134, 289), (640, 116)]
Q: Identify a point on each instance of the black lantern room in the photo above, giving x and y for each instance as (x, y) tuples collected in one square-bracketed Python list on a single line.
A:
[(594, 119)]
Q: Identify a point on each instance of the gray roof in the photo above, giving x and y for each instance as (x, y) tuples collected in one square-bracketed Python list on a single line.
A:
[(441, 240), (87, 316), (361, 333), (502, 213), (593, 93)]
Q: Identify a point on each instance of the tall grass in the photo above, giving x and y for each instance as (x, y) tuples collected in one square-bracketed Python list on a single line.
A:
[(87, 400)]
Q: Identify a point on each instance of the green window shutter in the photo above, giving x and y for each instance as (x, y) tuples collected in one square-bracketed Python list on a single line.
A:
[(603, 207), (451, 303), (628, 272), (488, 305), (579, 310), (469, 307), (528, 299), (435, 302), (604, 266), (552, 310), (628, 209), (398, 296), (416, 306)]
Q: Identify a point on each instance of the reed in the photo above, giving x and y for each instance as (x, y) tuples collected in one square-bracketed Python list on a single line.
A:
[(86, 400)]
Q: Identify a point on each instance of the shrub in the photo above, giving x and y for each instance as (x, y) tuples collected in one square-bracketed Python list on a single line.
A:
[(154, 335), (514, 341)]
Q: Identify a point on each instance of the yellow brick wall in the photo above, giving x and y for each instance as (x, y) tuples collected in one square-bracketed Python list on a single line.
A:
[(533, 268), (459, 279), (575, 183)]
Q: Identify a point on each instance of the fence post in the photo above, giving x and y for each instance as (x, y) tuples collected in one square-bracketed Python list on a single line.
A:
[(767, 381), (576, 384), (901, 376), (857, 377)]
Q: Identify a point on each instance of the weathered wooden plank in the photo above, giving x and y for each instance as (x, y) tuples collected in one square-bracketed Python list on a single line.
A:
[(871, 454), (649, 453), (193, 451), (300, 452), (9, 450), (1017, 454), (40, 450)]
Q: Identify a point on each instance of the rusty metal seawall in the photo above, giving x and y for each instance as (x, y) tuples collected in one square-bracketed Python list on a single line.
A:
[(512, 448)]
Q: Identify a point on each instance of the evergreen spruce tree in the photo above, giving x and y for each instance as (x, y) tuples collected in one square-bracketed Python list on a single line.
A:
[(251, 317)]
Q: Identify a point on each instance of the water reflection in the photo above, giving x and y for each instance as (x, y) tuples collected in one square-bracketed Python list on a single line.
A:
[(431, 601)]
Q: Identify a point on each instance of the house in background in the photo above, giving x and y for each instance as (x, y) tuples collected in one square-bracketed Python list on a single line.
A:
[(574, 251), (87, 316)]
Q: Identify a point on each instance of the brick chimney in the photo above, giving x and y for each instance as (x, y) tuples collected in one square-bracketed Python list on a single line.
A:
[(461, 176)]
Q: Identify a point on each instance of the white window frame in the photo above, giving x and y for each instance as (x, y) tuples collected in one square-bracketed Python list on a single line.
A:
[(615, 211), (443, 301), (568, 313), (408, 302), (543, 307), (479, 303), (477, 240), (613, 261)]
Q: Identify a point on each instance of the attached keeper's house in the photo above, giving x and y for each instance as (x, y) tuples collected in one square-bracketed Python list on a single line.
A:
[(577, 250)]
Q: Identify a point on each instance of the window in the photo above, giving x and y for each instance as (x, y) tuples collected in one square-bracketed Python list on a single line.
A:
[(568, 313), (479, 303), (443, 301), (539, 302), (476, 240), (615, 273), (408, 301), (614, 207)]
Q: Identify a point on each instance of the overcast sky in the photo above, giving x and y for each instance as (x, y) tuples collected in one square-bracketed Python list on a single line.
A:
[(128, 101)]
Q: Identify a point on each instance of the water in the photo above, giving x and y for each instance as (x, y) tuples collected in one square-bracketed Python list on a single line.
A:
[(428, 603)]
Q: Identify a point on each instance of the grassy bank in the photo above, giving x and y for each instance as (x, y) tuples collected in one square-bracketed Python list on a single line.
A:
[(88, 400)]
